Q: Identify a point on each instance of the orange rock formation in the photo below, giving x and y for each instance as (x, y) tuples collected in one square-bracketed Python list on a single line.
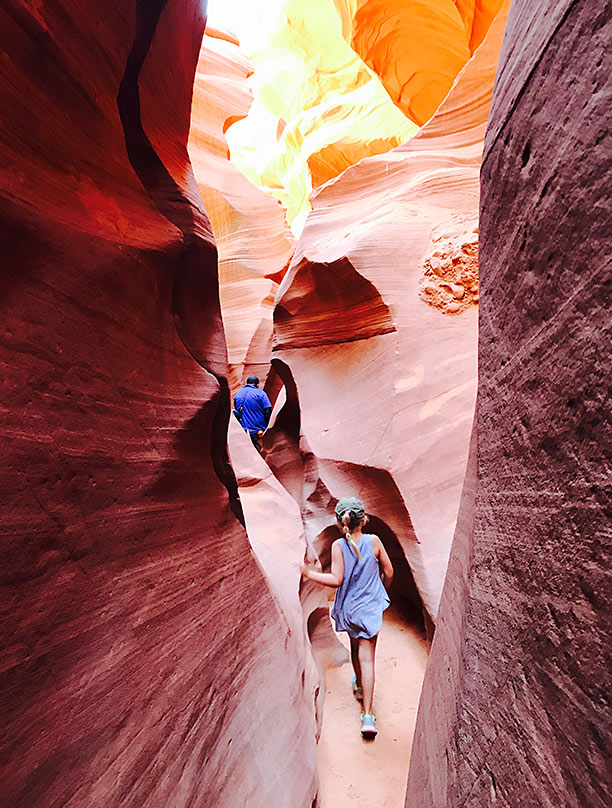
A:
[(318, 108), (384, 383), (417, 47), (338, 82)]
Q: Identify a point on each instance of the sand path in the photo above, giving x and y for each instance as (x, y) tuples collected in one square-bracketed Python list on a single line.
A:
[(355, 773)]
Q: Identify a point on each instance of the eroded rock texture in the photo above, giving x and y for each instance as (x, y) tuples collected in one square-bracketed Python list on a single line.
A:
[(515, 708), (318, 108), (145, 658), (252, 237), (336, 82), (381, 371), (417, 47), (276, 533)]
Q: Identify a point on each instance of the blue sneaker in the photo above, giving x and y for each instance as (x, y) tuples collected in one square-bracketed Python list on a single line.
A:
[(368, 726), (357, 691)]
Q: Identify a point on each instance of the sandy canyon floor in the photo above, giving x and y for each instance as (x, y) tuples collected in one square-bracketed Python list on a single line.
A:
[(359, 774)]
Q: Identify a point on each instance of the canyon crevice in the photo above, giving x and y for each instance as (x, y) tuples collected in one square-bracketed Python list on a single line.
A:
[(397, 216), (375, 390)]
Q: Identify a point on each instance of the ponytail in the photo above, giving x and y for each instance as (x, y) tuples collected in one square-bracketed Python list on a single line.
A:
[(346, 519)]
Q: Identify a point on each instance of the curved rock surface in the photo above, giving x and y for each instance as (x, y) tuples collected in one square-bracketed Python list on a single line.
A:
[(338, 82), (254, 243), (383, 385), (318, 108), (145, 657), (417, 47), (515, 708)]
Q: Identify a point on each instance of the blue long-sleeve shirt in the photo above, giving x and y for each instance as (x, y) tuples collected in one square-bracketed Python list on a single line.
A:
[(250, 403)]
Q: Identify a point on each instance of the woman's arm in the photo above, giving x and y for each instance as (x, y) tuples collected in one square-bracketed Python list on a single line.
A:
[(333, 578), (384, 561)]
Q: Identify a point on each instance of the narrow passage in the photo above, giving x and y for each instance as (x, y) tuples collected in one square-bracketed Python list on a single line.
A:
[(355, 773)]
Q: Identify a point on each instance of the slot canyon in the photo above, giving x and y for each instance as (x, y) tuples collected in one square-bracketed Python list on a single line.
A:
[(397, 215)]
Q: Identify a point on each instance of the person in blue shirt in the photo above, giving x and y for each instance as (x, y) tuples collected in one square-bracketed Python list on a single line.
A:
[(252, 408)]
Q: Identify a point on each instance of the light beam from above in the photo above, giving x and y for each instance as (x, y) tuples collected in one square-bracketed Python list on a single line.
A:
[(334, 82), (317, 107)]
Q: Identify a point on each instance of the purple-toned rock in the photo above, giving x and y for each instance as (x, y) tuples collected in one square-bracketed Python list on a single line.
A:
[(516, 704)]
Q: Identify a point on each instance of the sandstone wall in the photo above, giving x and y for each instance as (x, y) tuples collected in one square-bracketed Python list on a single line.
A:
[(254, 242), (417, 47), (336, 82), (515, 708), (144, 658), (375, 333)]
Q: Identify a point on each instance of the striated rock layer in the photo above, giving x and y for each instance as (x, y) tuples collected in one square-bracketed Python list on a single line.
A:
[(379, 360), (416, 47), (144, 656), (318, 108), (336, 81), (515, 708), (252, 237)]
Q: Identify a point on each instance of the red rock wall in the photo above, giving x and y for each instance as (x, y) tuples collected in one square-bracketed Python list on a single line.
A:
[(515, 709), (144, 657)]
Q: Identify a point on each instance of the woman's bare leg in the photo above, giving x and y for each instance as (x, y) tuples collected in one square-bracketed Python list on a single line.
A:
[(355, 659), (367, 650)]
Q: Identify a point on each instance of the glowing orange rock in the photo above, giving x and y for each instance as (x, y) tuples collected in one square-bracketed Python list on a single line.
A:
[(337, 82), (385, 383), (318, 108), (417, 47)]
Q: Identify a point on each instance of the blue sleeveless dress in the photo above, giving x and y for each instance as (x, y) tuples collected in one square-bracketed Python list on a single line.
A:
[(361, 598)]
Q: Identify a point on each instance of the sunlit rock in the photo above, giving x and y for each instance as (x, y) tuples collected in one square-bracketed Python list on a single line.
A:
[(317, 110), (335, 82), (253, 240), (416, 47), (382, 377)]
